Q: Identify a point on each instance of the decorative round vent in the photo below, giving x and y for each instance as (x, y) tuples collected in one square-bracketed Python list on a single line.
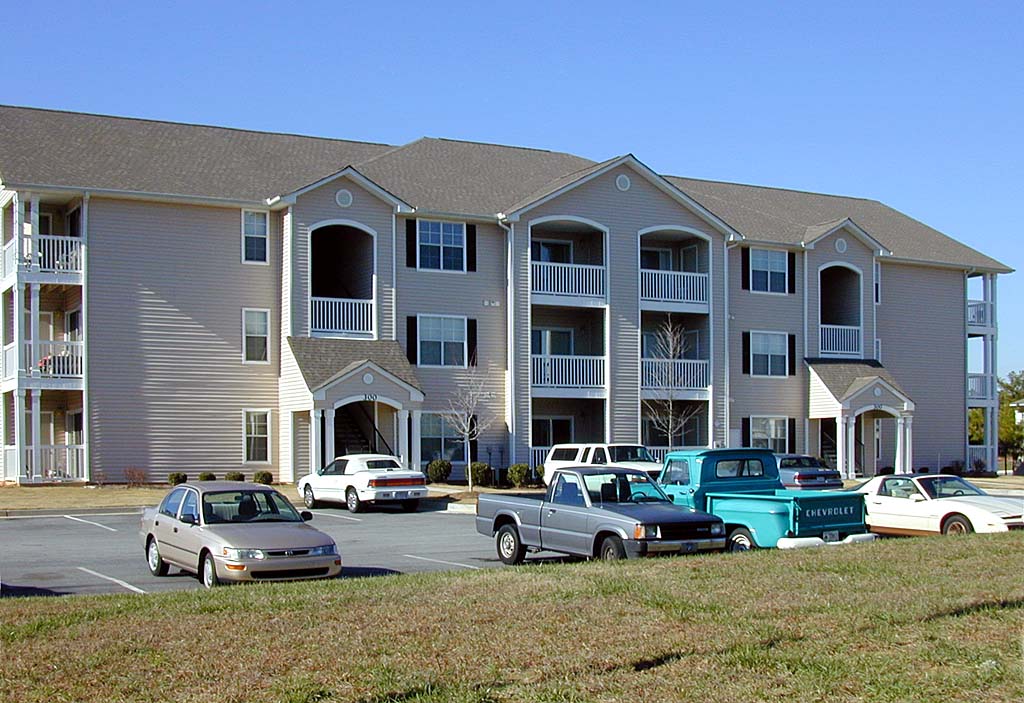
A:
[(368, 378), (622, 182), (878, 392), (343, 198), (841, 245)]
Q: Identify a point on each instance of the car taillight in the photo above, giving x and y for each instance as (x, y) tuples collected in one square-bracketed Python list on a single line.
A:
[(801, 477), (381, 482)]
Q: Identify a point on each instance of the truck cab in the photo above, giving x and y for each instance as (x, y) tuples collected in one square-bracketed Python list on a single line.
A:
[(617, 456)]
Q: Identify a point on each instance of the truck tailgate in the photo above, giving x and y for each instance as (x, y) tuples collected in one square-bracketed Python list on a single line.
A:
[(821, 511)]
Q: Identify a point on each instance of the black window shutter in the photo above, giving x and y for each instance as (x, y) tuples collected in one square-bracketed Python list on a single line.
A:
[(792, 355), (791, 272), (746, 352), (412, 341), (745, 267), (474, 445), (410, 243), (471, 341), (792, 436), (471, 247), (746, 432)]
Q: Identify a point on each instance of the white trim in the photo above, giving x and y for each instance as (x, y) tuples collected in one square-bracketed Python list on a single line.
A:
[(547, 351), (750, 271), (67, 320), (415, 394), (351, 399), (266, 217), (465, 246), (567, 218), (751, 350), (254, 362), (86, 404), (374, 282), (465, 445), (659, 250), (552, 240), (465, 342), (347, 172), (860, 302), (856, 231), (878, 350), (245, 437), (785, 424)]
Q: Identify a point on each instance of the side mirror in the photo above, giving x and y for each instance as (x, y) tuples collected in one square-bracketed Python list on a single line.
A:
[(916, 498), (189, 519), (306, 515), (671, 498)]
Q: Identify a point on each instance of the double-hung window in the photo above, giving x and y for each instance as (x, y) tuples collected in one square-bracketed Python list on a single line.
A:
[(442, 341), (768, 271), (257, 436), (442, 245), (256, 336), (254, 237), (770, 433), (438, 440), (769, 354)]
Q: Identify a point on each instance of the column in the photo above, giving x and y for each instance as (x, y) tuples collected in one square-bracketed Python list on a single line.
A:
[(414, 450), (19, 431), (901, 447), (37, 454), (329, 435), (908, 452), (841, 445), (403, 438), (851, 446), (315, 458), (33, 322), (19, 230), (34, 221), (19, 329)]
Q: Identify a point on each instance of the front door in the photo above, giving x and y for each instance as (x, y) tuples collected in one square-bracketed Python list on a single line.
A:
[(898, 507), (564, 517)]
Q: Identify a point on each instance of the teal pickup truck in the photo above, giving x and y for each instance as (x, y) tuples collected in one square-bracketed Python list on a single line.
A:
[(742, 487)]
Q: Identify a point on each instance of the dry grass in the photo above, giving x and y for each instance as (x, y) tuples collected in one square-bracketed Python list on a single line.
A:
[(930, 619), (72, 497)]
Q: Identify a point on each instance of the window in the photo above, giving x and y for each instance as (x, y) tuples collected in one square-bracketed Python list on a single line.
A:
[(442, 341), (878, 283), (191, 506), (73, 325), (768, 271), (656, 259), (172, 502), (566, 491), (769, 353), (770, 433), (878, 350), (254, 237), (442, 245), (599, 456), (335, 468), (551, 341), (689, 257), (739, 468), (677, 472), (690, 434), (438, 440), (564, 454), (45, 223), (548, 431), (256, 332), (257, 436), (73, 221), (551, 251)]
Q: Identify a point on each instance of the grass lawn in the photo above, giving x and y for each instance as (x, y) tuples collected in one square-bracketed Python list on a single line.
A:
[(928, 619), (71, 497)]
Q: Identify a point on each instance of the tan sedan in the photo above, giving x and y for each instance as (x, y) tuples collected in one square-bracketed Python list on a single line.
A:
[(235, 531)]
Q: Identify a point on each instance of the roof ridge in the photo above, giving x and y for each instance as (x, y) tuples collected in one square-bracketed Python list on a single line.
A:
[(191, 124), (388, 152), (788, 190), (507, 146)]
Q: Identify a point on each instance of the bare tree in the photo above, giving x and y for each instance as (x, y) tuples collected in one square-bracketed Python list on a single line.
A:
[(667, 375), (467, 414)]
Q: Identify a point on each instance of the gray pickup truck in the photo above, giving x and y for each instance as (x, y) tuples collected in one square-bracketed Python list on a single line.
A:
[(591, 512)]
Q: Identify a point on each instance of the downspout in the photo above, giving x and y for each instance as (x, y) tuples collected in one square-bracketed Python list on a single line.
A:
[(727, 246)]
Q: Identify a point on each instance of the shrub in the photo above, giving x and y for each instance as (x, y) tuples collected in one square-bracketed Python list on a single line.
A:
[(206, 476), (539, 471), (481, 473), (439, 470), (956, 468), (1019, 471), (518, 474), (134, 477), (886, 471), (264, 477), (234, 476), (176, 477), (979, 466)]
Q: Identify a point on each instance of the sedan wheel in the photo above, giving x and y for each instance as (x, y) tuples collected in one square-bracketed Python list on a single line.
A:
[(157, 566), (352, 501), (307, 497), (209, 572)]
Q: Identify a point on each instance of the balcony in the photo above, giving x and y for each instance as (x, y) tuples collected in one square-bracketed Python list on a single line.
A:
[(341, 317), (675, 378), (567, 376), (673, 291), (568, 284), (981, 387), (979, 316), (46, 360), (841, 341), (44, 253), (57, 462)]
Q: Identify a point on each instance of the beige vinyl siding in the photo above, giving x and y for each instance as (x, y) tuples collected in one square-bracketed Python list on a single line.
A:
[(428, 292), (857, 254), (624, 214), (922, 328), (166, 380), (821, 403)]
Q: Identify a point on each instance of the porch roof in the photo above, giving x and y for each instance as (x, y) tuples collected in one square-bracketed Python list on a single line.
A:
[(844, 378), (321, 360)]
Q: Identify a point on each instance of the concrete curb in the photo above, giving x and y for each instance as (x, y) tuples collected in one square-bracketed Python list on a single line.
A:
[(461, 508), (57, 512)]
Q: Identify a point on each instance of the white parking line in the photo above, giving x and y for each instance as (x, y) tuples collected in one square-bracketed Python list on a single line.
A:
[(119, 582), (340, 517), (442, 561), (40, 517), (89, 522)]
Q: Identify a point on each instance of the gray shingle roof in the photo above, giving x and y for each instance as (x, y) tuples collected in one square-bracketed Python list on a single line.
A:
[(320, 359), (844, 377)]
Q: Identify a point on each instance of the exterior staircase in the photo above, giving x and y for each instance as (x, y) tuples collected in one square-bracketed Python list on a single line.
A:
[(348, 438)]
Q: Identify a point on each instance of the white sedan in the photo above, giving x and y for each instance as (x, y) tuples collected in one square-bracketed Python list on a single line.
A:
[(356, 479), (917, 504)]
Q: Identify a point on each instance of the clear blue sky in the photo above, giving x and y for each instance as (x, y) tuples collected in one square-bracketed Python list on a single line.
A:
[(920, 105)]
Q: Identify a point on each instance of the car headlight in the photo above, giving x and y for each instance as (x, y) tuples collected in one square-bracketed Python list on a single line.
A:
[(240, 554), (324, 551), (718, 528), (647, 532)]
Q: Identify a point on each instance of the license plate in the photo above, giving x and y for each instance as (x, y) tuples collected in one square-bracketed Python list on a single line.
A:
[(401, 494), (831, 536)]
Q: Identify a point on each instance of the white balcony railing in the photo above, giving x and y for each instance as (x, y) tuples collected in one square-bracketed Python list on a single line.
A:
[(57, 462), (537, 455), (840, 340), (10, 360), (56, 254), (976, 453), (980, 386), (10, 259), (675, 374), (564, 371), (341, 315), (673, 286), (979, 313), (578, 280), (56, 359)]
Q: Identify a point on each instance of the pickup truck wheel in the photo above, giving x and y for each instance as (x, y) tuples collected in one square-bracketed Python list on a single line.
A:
[(957, 525), (740, 540), (157, 566), (612, 549), (352, 501), (510, 548), (308, 499), (410, 506)]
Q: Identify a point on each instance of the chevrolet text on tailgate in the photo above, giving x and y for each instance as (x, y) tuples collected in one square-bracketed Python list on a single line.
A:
[(742, 487), (610, 513)]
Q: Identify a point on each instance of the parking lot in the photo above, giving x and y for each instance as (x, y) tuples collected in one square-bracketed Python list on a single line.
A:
[(100, 552)]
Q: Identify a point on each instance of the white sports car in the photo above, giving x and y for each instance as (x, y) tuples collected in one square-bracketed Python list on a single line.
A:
[(917, 504), (356, 479)]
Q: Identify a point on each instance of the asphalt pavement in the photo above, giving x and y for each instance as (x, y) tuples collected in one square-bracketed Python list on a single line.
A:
[(101, 552)]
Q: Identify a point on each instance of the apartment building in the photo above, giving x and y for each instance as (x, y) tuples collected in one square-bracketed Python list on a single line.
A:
[(188, 298)]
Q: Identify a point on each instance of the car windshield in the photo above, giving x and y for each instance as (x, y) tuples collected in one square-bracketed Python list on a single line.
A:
[(247, 506), (386, 464), (948, 487), (800, 462), (623, 488), (630, 453)]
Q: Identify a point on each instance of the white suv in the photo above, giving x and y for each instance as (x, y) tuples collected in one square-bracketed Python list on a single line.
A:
[(623, 456)]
